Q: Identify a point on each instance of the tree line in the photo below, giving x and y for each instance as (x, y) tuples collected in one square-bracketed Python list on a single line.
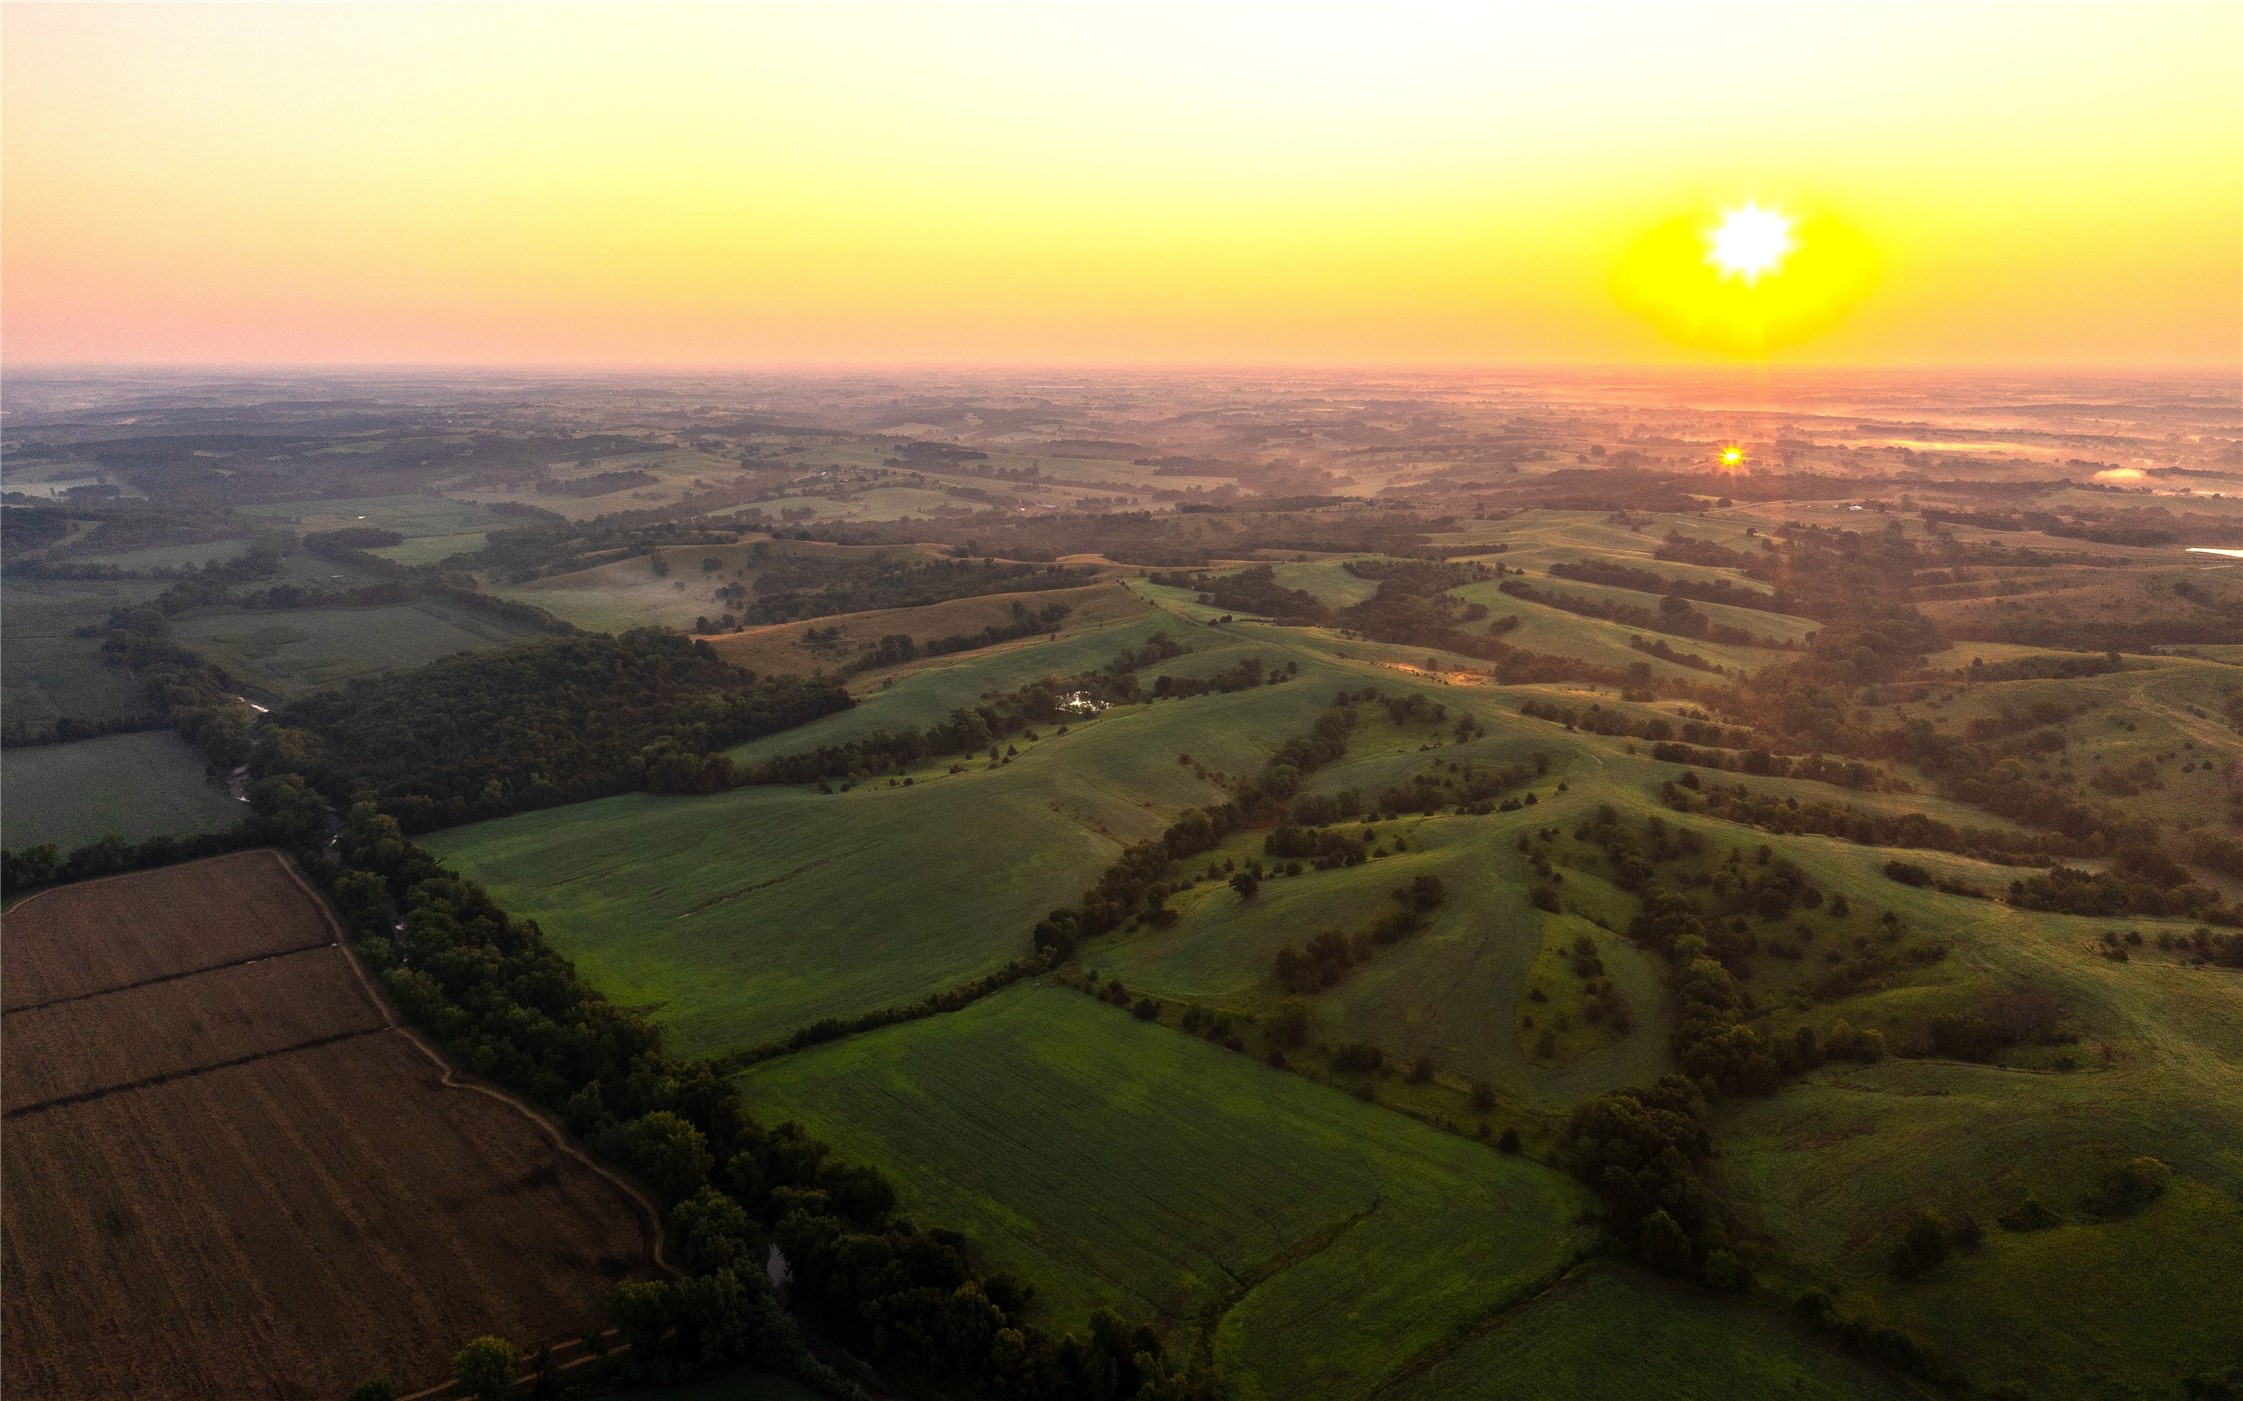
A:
[(499, 1001), (896, 648)]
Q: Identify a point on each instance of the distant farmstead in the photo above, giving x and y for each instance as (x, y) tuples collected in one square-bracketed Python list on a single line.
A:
[(1082, 703)]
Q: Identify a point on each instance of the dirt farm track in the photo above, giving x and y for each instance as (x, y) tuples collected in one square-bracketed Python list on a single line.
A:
[(225, 1173)]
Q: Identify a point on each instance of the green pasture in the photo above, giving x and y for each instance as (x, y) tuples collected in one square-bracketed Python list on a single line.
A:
[(431, 549), (49, 672), (136, 785), (292, 652), (413, 516), (743, 915), (1454, 992), (627, 593), (624, 593), (928, 692), (165, 556), (679, 473), (2158, 723), (1824, 1174), (1609, 1331), (1111, 1163)]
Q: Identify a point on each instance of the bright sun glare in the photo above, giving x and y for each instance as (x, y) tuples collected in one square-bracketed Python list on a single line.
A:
[(1750, 242), (1731, 457)]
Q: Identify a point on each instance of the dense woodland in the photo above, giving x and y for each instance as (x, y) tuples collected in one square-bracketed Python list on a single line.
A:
[(535, 726)]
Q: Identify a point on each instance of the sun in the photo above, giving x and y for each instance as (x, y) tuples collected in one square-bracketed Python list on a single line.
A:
[(1750, 242), (1732, 456)]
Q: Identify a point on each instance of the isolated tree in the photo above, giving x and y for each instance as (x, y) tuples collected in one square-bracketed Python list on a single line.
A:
[(1922, 1244), (1246, 883), (486, 1369), (1725, 1271)]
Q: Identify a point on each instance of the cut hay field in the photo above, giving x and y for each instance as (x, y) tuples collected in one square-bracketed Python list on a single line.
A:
[(293, 652), (1112, 1163), (226, 1176), (781, 648), (136, 785)]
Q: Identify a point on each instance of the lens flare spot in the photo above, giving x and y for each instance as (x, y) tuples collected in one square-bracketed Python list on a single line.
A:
[(1732, 457)]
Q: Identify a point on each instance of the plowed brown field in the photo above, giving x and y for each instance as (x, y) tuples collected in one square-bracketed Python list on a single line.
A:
[(110, 933), (240, 1182)]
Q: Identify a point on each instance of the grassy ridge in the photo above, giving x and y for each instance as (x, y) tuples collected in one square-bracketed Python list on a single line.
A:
[(744, 915), (1118, 1164)]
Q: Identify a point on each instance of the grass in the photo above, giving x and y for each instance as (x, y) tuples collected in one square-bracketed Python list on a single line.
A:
[(2161, 719), (429, 549), (926, 692), (1564, 1015), (624, 593), (1455, 992), (136, 785), (627, 593), (1825, 1173), (166, 556), (779, 648), (1004, 1118), (1116, 1164), (292, 652), (412, 516), (1609, 1331), (680, 472), (48, 671), (743, 915)]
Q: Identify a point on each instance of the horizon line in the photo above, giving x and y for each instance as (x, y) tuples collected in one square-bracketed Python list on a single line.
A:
[(2189, 367)]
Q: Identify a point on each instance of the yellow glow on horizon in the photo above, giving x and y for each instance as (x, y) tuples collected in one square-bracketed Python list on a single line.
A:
[(1747, 281), (1732, 456), (1105, 183)]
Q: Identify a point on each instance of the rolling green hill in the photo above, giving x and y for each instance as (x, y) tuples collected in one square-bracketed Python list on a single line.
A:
[(1118, 1164)]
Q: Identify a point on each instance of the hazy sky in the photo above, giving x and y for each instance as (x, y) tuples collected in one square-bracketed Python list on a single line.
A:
[(931, 182)]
